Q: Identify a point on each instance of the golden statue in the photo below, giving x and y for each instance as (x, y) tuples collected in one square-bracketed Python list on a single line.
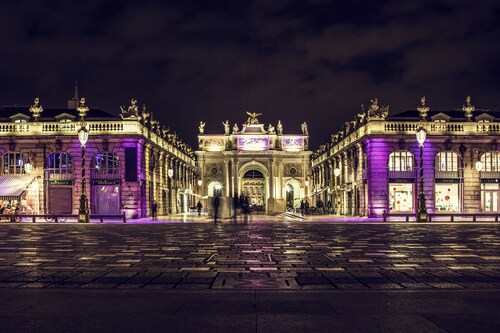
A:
[(423, 109), (36, 109), (252, 118), (82, 108), (468, 108)]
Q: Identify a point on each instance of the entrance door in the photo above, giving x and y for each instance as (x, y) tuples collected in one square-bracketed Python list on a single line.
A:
[(60, 200), (490, 201), (107, 199), (253, 185)]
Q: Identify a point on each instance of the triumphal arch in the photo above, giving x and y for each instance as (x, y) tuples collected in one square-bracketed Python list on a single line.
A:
[(254, 160)]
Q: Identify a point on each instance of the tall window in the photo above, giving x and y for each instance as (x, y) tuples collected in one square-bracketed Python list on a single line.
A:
[(401, 161), (447, 161), (13, 163), (107, 163), (491, 161), (60, 163)]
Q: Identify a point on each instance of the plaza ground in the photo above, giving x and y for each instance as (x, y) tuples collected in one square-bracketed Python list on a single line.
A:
[(269, 275)]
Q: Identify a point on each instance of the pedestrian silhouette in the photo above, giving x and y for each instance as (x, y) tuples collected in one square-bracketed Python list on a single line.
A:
[(216, 204)]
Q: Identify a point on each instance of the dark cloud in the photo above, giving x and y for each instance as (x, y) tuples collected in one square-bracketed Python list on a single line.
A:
[(313, 61)]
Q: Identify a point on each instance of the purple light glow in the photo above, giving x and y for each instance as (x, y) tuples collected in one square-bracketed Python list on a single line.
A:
[(253, 143)]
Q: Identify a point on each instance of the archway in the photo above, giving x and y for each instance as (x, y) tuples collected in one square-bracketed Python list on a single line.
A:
[(253, 181), (292, 195), (214, 189)]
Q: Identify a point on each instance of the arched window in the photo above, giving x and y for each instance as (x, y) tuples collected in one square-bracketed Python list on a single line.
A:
[(491, 161), (60, 163), (401, 161), (107, 163), (214, 189), (447, 161), (13, 163)]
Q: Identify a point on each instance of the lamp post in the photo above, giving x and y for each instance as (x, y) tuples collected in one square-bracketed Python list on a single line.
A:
[(170, 173), (421, 207), (83, 136), (336, 173)]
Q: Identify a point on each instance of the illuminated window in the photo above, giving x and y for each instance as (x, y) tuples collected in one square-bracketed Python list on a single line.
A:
[(13, 163), (447, 161), (60, 163), (491, 161), (107, 163), (401, 161)]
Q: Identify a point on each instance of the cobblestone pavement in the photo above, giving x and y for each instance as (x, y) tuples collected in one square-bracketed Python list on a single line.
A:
[(277, 255)]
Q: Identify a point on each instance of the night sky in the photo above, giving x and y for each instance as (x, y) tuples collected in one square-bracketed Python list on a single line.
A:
[(314, 61)]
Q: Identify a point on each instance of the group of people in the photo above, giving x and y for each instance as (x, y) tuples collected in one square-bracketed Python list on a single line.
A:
[(14, 209), (240, 203), (320, 207)]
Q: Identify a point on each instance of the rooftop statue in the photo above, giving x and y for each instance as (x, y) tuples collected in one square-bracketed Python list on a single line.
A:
[(270, 129), (375, 112), (201, 127), (36, 109), (226, 127), (279, 128), (423, 109), (235, 128), (82, 108), (132, 112), (144, 114), (468, 108), (304, 129), (252, 118)]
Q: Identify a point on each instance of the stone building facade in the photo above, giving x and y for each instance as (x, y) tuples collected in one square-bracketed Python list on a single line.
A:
[(253, 160), (130, 161), (372, 164)]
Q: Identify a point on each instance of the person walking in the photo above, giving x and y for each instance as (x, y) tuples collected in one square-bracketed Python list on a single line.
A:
[(199, 206), (154, 210), (302, 207), (216, 204), (329, 207), (236, 204), (246, 209), (306, 207)]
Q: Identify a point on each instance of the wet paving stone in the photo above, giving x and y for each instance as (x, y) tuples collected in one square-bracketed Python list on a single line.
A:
[(274, 255)]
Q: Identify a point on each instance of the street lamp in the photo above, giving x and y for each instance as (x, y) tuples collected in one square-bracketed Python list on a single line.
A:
[(83, 136), (421, 207), (200, 182), (170, 173), (479, 165)]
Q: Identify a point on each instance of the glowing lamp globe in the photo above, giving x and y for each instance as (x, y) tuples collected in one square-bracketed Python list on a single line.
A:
[(200, 182), (170, 173), (479, 165), (421, 135), (83, 136), (28, 167)]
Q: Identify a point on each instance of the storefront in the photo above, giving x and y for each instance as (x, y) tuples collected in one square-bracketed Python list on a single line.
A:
[(106, 195), (490, 196), (401, 197), (22, 191), (447, 197), (60, 196)]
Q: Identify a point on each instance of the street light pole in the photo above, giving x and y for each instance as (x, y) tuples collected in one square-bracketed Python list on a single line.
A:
[(170, 173), (421, 206), (83, 136), (336, 173)]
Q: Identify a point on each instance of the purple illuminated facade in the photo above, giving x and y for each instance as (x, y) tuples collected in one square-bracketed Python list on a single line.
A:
[(128, 159), (372, 165)]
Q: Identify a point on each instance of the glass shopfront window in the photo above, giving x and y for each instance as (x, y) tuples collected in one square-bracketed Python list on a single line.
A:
[(447, 198), (490, 195), (401, 197)]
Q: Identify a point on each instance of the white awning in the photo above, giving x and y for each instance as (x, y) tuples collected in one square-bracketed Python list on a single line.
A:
[(11, 187)]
